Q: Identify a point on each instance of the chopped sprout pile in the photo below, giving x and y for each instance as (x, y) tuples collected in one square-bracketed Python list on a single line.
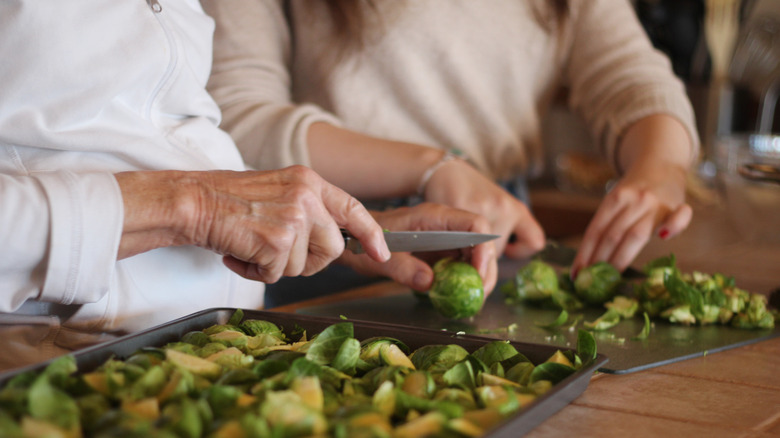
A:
[(248, 378), (666, 293)]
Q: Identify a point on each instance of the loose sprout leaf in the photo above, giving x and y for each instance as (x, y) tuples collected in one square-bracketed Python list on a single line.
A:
[(609, 319), (236, 317), (684, 294), (324, 347), (495, 352), (51, 404), (660, 262), (551, 371), (559, 321), (645, 333), (586, 346), (347, 357)]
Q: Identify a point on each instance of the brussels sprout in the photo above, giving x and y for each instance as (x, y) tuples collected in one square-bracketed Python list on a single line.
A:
[(460, 396), (196, 338), (254, 327), (371, 350), (231, 338), (430, 424), (438, 358), (536, 281), (419, 384), (499, 398), (679, 314), (194, 364), (457, 290), (150, 384), (285, 411), (624, 306), (755, 316), (597, 283), (405, 402), (211, 348)]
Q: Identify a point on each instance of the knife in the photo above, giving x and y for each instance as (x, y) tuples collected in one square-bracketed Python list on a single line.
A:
[(419, 241), (562, 255)]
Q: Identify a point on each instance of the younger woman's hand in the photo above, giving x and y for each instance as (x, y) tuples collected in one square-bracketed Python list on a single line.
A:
[(414, 269)]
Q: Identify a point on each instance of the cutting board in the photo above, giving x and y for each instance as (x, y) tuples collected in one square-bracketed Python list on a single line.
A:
[(667, 342)]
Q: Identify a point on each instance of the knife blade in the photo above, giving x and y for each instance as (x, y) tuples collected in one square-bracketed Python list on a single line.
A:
[(419, 241), (562, 255)]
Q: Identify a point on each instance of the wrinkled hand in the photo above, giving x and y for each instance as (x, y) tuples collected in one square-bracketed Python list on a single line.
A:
[(648, 200), (460, 185), (414, 270), (267, 224)]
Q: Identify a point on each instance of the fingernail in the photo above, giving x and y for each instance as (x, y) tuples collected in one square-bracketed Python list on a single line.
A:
[(664, 233), (421, 280)]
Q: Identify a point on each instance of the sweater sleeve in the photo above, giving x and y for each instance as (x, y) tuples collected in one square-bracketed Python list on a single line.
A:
[(251, 82), (60, 233), (617, 77)]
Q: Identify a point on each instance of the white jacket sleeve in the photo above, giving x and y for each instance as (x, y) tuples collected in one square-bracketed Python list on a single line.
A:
[(59, 234), (251, 82), (617, 77)]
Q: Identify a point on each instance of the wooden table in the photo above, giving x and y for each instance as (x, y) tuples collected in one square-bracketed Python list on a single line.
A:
[(733, 393)]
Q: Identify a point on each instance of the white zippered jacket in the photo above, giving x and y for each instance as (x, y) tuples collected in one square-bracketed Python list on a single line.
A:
[(88, 89)]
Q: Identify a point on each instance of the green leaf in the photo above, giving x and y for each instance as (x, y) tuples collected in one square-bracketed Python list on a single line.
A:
[(50, 404), (302, 367), (559, 321), (661, 262), (551, 371), (347, 357), (586, 346), (609, 319), (236, 318), (685, 294), (645, 333), (325, 346), (494, 352)]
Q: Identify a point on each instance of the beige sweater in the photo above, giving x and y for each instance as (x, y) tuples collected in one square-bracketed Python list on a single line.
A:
[(477, 76)]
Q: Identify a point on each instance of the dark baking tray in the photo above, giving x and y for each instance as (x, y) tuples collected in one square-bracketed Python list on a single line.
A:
[(532, 415)]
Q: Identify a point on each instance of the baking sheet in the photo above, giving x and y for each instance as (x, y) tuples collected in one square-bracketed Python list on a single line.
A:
[(525, 420), (666, 344)]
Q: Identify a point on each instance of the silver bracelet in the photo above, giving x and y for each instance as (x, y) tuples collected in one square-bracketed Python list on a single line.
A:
[(426, 176)]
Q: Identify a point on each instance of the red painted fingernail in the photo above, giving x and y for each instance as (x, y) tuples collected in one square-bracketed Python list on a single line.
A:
[(663, 234)]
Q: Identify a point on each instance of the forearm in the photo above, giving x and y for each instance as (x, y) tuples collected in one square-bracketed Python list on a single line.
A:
[(155, 205), (368, 167), (656, 140)]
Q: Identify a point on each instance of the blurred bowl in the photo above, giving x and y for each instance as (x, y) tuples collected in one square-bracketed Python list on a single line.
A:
[(752, 205)]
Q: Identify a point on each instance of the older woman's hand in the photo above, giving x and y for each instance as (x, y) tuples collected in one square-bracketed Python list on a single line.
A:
[(267, 224)]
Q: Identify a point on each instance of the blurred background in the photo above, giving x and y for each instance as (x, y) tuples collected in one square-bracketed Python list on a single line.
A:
[(727, 52)]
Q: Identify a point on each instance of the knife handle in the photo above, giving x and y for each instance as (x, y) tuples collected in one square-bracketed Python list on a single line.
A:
[(351, 243)]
